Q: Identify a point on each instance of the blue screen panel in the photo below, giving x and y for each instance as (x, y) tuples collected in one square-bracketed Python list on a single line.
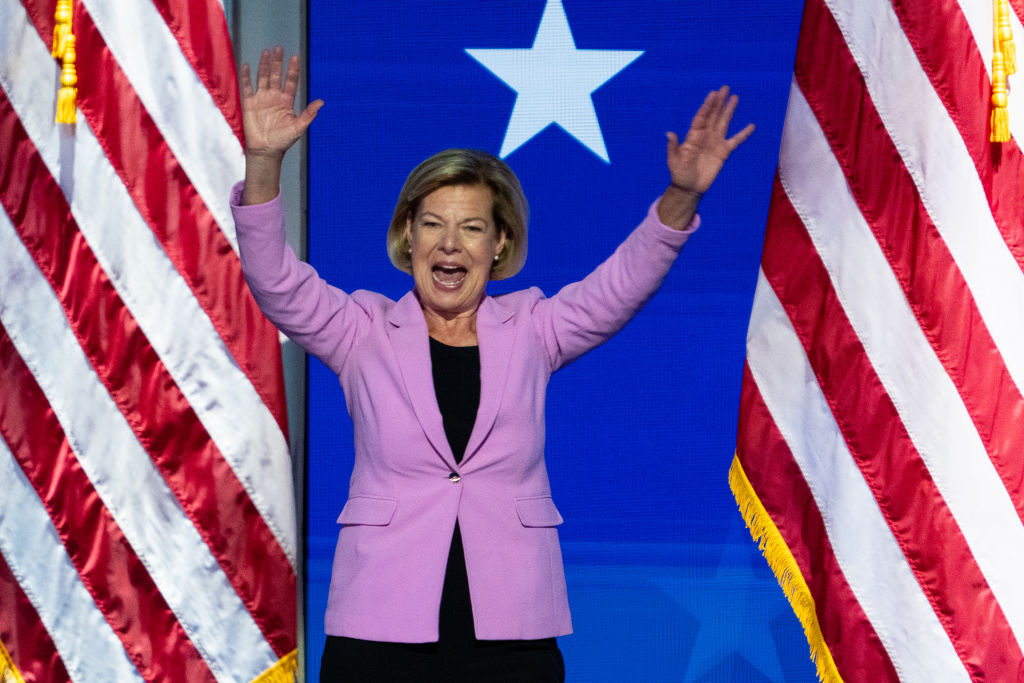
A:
[(664, 582)]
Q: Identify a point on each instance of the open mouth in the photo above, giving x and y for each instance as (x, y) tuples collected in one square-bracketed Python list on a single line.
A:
[(448, 276)]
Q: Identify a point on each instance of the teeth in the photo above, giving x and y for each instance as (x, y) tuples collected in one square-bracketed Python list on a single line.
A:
[(449, 277)]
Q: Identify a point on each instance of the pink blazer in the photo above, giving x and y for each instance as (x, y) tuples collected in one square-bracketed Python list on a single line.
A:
[(406, 490)]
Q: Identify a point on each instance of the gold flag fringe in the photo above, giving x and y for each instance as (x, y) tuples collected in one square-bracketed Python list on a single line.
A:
[(64, 49), (784, 566), (281, 672), (8, 672)]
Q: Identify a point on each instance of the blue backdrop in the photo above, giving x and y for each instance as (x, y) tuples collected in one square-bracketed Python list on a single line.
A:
[(664, 581)]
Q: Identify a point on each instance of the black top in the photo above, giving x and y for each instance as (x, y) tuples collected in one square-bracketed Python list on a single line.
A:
[(456, 372), (457, 386)]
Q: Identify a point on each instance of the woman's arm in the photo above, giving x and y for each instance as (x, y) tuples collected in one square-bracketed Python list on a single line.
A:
[(586, 313), (321, 319), (270, 123)]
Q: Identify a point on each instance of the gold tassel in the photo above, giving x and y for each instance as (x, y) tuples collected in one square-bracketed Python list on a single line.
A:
[(68, 95), (62, 29), (1005, 40), (64, 50), (1000, 121)]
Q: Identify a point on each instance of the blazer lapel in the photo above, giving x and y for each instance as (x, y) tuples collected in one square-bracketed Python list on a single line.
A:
[(409, 339), (496, 336)]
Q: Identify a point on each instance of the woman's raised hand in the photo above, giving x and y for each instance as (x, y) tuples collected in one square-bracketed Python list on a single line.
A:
[(694, 163), (268, 113), (270, 122)]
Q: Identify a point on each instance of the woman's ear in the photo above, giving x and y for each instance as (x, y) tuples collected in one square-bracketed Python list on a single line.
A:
[(501, 244)]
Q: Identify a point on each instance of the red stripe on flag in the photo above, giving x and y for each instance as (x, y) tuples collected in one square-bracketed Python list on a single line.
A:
[(170, 205), (1018, 9), (785, 495), (909, 500), (933, 284), (24, 636), (111, 571), (160, 416), (944, 44), (202, 32)]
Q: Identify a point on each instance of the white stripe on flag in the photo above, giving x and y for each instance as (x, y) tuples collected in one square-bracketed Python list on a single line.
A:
[(867, 552), (234, 415), (942, 430), (34, 552), (133, 490), (943, 172), (184, 111)]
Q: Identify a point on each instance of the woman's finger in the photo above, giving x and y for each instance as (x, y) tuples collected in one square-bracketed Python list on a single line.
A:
[(291, 81), (276, 63), (246, 80), (726, 112), (738, 139), (308, 114), (721, 97), (263, 71), (704, 114), (673, 141)]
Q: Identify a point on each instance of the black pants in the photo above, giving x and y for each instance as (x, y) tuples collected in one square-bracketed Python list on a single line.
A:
[(458, 657)]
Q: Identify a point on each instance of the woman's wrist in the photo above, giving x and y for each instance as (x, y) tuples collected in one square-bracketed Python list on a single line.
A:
[(686, 191), (262, 177), (678, 205)]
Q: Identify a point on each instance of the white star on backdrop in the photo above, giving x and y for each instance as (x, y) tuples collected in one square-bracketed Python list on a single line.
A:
[(553, 82)]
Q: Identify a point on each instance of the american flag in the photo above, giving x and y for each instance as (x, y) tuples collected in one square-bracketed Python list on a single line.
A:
[(880, 456), (147, 525)]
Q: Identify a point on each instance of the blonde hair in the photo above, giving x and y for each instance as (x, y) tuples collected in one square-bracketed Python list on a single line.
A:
[(465, 167)]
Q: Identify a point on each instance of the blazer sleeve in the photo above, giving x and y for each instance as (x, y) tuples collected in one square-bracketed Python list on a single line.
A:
[(589, 312), (325, 321)]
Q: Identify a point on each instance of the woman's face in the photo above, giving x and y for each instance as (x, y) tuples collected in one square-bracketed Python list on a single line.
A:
[(454, 242)]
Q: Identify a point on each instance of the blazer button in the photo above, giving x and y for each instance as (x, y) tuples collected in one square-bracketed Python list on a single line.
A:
[(454, 478)]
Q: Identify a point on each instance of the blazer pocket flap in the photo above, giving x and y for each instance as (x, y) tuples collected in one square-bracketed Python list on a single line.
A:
[(368, 510), (538, 511)]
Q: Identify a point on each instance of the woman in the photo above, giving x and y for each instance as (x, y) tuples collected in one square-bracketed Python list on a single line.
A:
[(448, 565)]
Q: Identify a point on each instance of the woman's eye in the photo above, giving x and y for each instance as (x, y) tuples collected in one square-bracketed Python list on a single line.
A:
[(475, 228)]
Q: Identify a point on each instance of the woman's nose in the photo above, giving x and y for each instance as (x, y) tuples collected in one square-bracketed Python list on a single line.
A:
[(450, 240)]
